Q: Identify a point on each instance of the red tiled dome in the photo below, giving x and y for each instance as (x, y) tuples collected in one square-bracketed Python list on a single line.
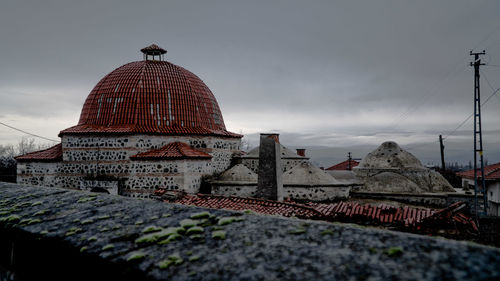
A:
[(151, 96)]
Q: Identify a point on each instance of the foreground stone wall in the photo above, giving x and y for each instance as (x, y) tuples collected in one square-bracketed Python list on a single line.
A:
[(60, 234)]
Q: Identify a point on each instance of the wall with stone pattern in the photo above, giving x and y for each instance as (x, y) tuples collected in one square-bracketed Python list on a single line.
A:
[(85, 157)]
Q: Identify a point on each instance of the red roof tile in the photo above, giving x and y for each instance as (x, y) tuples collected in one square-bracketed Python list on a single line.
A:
[(406, 218), (175, 150), (52, 154), (492, 172), (151, 97), (346, 165)]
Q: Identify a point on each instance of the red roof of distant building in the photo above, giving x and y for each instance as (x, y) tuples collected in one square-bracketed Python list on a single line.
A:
[(261, 206), (492, 172), (51, 154), (405, 217), (346, 165), (175, 150), (151, 96)]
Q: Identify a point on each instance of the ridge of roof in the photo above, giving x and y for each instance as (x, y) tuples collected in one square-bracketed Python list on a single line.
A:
[(343, 165), (51, 154), (173, 150), (492, 172)]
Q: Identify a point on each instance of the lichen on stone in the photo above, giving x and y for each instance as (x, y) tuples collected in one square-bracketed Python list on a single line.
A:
[(188, 223), (92, 239), (194, 230), (87, 221), (83, 249), (103, 217), (72, 231), (194, 258), (156, 236), (394, 252), (36, 203), (298, 230), (228, 220), (196, 237), (108, 247), (200, 215), (219, 234), (151, 228), (41, 212), (11, 218), (174, 259), (136, 256), (327, 232), (170, 238), (86, 199)]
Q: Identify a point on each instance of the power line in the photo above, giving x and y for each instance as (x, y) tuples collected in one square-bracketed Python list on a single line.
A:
[(28, 133), (470, 116), (466, 119)]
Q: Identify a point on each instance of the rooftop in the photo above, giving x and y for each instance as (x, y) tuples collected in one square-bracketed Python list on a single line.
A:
[(174, 150)]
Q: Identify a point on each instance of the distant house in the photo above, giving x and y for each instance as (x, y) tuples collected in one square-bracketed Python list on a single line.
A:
[(492, 179), (347, 165)]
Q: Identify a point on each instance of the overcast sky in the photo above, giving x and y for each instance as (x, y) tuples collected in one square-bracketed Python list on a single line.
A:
[(332, 76)]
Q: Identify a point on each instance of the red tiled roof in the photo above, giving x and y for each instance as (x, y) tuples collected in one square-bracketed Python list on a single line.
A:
[(151, 97), (261, 206), (51, 154), (344, 165), (174, 150), (406, 217), (492, 172)]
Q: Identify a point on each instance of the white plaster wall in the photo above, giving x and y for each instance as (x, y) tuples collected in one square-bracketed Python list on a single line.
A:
[(316, 193), (286, 163), (494, 192), (236, 190)]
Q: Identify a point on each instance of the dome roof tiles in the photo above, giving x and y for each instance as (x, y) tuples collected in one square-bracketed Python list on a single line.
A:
[(151, 97)]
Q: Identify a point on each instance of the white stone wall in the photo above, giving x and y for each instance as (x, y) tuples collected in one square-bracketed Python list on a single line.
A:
[(311, 193), (286, 163), (37, 173), (86, 156), (235, 190), (316, 193)]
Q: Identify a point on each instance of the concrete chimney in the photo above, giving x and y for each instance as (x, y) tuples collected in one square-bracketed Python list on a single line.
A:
[(270, 185), (301, 152)]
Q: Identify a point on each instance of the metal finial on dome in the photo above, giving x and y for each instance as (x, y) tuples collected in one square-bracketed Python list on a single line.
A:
[(153, 50)]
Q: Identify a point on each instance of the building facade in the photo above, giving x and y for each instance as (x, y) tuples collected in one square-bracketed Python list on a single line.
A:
[(147, 125)]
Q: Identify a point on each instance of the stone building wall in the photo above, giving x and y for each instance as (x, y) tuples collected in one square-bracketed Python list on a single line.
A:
[(286, 163), (311, 193), (85, 157)]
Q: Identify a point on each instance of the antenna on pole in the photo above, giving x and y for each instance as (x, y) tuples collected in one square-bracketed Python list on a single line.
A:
[(478, 137)]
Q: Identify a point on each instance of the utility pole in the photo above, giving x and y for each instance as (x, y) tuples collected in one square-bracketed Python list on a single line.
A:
[(441, 146), (478, 137), (350, 160)]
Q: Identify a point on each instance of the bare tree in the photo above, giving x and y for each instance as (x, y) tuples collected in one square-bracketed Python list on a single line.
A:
[(7, 151), (245, 144)]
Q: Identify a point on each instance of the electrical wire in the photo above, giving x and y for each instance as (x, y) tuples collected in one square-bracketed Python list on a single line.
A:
[(466, 119), (28, 133)]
